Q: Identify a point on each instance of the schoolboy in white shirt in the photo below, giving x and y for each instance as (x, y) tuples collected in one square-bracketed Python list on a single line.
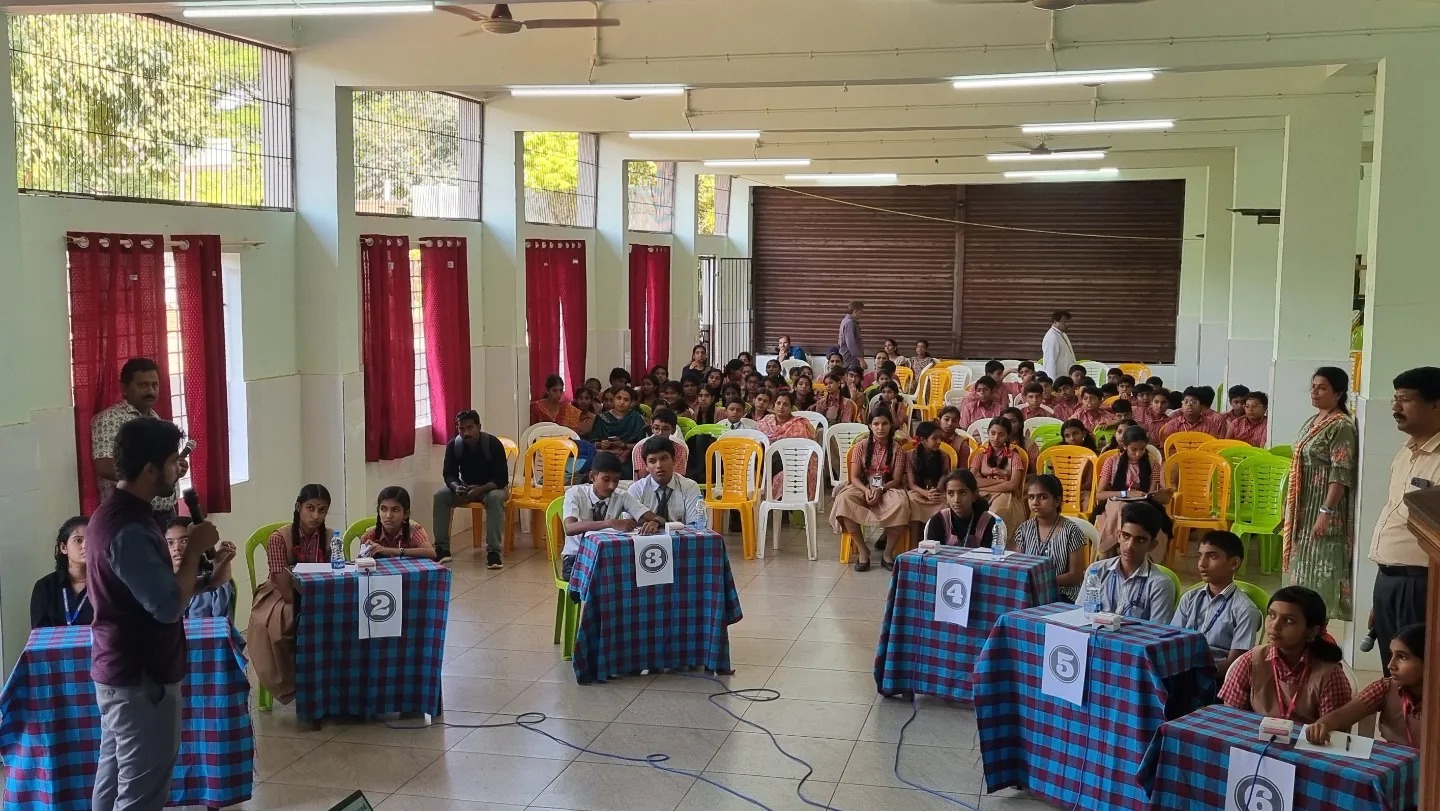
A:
[(601, 505), (669, 495), (1130, 585)]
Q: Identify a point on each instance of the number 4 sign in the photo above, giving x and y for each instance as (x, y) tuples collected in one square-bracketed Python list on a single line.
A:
[(1067, 653), (1256, 785), (654, 561), (954, 587)]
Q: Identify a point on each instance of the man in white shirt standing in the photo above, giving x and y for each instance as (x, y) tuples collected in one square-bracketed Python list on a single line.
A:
[(669, 495), (1059, 355)]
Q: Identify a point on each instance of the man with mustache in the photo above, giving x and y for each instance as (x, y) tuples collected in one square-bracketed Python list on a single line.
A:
[(140, 387)]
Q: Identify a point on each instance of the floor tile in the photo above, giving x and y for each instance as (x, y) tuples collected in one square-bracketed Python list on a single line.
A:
[(523, 637), (932, 727), (846, 687), (1016, 801), (761, 626), (777, 793), (852, 609), (680, 709), (863, 588), (813, 719), (934, 767), (591, 702), (356, 766), (543, 614), (486, 663), (513, 740), (485, 778), (281, 723), (791, 585), (745, 676), (763, 652), (614, 787), (467, 634), (406, 802), (831, 656), (414, 733), (277, 797), (747, 751), (833, 629), (780, 605), (274, 754), (689, 748), (473, 608), (468, 694), (853, 797)]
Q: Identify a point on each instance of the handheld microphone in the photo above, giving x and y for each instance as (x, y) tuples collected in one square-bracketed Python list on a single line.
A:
[(197, 514)]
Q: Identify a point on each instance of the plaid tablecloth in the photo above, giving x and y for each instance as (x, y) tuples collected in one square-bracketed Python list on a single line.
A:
[(625, 629), (1189, 760), (50, 724), (338, 673), (918, 654), (1084, 757)]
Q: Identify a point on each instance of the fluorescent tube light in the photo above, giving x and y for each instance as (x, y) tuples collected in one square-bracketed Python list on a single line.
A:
[(1073, 77), (1015, 157), (1100, 126), (1060, 174), (311, 10), (875, 177), (699, 135), (599, 90), (757, 162)]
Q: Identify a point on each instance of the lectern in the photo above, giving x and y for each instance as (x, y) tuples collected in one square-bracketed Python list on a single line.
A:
[(1425, 523)]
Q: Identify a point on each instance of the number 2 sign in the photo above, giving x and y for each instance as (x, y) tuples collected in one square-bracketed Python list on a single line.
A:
[(1066, 661)]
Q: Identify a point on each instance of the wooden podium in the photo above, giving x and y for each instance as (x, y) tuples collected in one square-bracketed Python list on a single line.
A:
[(1425, 523)]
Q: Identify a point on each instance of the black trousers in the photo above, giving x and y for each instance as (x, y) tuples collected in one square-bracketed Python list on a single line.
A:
[(1400, 593)]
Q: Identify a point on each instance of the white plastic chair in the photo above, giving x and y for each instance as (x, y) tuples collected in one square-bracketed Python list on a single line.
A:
[(817, 420), (533, 434), (790, 363), (976, 367), (978, 428), (1096, 370), (1035, 422), (839, 438), (1092, 536), (796, 492), (955, 397), (960, 376)]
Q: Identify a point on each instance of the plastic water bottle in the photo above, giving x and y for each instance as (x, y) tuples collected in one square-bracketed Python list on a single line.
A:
[(337, 550), (997, 538), (1090, 592)]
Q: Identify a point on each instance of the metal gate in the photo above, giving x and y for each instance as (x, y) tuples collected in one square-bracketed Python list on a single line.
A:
[(729, 294)]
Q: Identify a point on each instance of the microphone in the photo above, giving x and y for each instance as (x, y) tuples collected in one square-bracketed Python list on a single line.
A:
[(197, 514)]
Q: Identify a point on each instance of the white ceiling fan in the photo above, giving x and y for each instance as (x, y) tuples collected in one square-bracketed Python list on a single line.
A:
[(1045, 5), (500, 21)]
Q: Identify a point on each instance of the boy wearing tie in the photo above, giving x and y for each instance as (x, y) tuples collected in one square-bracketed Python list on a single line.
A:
[(601, 505), (670, 496)]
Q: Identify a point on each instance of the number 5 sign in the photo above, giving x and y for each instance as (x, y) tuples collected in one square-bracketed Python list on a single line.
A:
[(654, 561), (1066, 662)]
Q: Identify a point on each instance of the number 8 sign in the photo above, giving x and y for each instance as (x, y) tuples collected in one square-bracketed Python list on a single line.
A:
[(654, 561)]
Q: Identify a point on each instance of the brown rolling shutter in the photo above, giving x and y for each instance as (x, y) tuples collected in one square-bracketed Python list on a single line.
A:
[(812, 256), (1123, 293)]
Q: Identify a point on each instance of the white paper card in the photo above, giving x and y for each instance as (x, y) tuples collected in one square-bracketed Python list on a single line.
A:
[(654, 561), (322, 568), (953, 593), (986, 554), (382, 606), (1075, 618), (1067, 656), (1271, 788), (1360, 748)]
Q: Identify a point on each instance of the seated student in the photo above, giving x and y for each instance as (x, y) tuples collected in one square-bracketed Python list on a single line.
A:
[(662, 424), (754, 383), (1026, 371), (619, 377), (1066, 403), (393, 535), (1074, 432), (922, 359), (689, 390), (1175, 398), (734, 415), (774, 384), (1001, 474), (1131, 475), (728, 392), (665, 492), (1297, 674), (995, 370), (892, 351), (1051, 535), (1130, 585), (760, 406), (733, 372), (1396, 697), (661, 374), (714, 379), (601, 505), (672, 396), (1155, 382), (924, 469), (1226, 617), (833, 404), (270, 637), (1253, 427), (1236, 395), (1114, 375), (1077, 376), (620, 428), (1125, 389), (873, 494), (1035, 402), (59, 597), (703, 412), (852, 388), (1108, 391), (1153, 417), (952, 433), (1117, 441), (772, 368), (1091, 414), (881, 358), (883, 375), (219, 593), (985, 401), (1194, 415), (966, 519), (1121, 411), (746, 358), (552, 406), (889, 397), (648, 393), (1017, 421), (804, 388)]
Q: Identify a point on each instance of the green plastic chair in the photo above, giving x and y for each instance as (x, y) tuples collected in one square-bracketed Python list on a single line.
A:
[(1260, 484), (645, 409), (1259, 596), (1286, 451), (1235, 456), (703, 430), (1045, 430), (1103, 435), (684, 424), (355, 531), (258, 539), (1174, 579), (567, 611)]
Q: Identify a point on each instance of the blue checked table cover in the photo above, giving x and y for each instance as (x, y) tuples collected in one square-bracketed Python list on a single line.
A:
[(625, 629), (338, 673), (1084, 757), (50, 724), (918, 654), (1189, 761)]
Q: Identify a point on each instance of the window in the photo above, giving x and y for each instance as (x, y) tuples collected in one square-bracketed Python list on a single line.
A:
[(417, 320), (236, 395), (134, 107), (722, 205), (712, 205), (175, 348), (650, 193), (561, 178), (417, 154)]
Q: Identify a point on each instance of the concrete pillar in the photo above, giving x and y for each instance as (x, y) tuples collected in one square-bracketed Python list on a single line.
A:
[(608, 284), (1402, 288), (684, 269), (1215, 289), (1313, 294), (502, 362), (1254, 264), (1192, 285)]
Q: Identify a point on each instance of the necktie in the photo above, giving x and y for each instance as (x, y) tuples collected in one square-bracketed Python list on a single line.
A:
[(597, 513), (662, 508)]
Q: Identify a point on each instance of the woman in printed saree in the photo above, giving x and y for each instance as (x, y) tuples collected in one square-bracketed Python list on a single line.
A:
[(618, 429)]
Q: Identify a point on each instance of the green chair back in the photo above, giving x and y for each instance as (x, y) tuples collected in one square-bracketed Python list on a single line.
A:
[(1044, 431), (704, 430), (1259, 596), (551, 514), (258, 539), (645, 409), (1287, 451), (684, 424), (1174, 579), (1103, 435), (1260, 495), (355, 531), (1045, 441)]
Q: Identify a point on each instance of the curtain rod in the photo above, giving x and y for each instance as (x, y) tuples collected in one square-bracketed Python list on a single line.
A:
[(182, 244), (428, 242)]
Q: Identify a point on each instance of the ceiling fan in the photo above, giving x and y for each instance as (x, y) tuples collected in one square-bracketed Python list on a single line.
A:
[(1047, 5), (500, 21), (1042, 150)]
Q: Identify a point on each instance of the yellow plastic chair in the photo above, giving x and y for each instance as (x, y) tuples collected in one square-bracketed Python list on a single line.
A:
[(1186, 441), (355, 531), (1108, 400), (477, 508), (1077, 469), (548, 459), (1217, 445), (258, 540), (931, 396), (567, 611), (1202, 489), (1139, 371), (905, 376), (737, 461)]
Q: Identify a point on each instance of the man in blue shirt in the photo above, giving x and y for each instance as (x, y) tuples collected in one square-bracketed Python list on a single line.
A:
[(852, 348)]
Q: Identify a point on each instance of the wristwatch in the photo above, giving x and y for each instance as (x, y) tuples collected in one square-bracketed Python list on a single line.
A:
[(1326, 510)]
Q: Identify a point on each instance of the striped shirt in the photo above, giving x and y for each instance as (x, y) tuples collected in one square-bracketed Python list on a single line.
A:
[(1057, 545), (1243, 429), (1210, 422)]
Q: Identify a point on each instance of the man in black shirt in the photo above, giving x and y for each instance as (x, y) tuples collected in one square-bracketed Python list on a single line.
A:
[(475, 471)]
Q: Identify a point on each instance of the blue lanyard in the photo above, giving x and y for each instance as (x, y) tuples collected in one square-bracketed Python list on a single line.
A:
[(1218, 611), (71, 617), (1134, 602)]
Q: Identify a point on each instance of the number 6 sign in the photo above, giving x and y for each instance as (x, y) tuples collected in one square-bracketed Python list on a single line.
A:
[(654, 561), (1065, 664), (1255, 785)]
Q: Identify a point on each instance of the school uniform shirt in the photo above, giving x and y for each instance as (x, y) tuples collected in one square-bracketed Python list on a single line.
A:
[(743, 422), (1314, 688), (684, 503), (53, 603), (972, 409), (1031, 412), (1243, 429), (581, 503), (1150, 421), (377, 536), (1091, 419), (1064, 410), (976, 531), (1210, 422), (1147, 594), (281, 553), (1228, 620), (1400, 713)]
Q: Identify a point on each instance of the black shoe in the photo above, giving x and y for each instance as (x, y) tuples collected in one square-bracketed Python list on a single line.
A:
[(887, 565), (862, 565), (492, 561)]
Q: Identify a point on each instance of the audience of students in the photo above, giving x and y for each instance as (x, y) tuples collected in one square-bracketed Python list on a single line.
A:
[(1195, 414), (1252, 425), (59, 598)]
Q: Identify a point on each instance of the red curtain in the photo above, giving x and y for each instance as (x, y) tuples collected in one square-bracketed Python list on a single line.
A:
[(200, 289), (388, 347), (117, 312), (446, 287), (649, 308), (555, 283)]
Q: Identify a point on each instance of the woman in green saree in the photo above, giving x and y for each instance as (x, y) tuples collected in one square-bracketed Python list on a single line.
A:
[(618, 429)]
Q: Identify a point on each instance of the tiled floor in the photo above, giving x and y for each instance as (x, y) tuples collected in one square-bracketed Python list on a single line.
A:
[(809, 631)]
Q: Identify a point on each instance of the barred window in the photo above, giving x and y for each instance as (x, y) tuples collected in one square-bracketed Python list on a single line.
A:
[(417, 322), (135, 107), (650, 194), (561, 178), (417, 154), (712, 205)]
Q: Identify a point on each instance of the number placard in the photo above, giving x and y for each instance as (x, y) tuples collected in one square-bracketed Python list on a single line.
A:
[(954, 592), (1067, 659), (1256, 785), (654, 561), (382, 606)]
